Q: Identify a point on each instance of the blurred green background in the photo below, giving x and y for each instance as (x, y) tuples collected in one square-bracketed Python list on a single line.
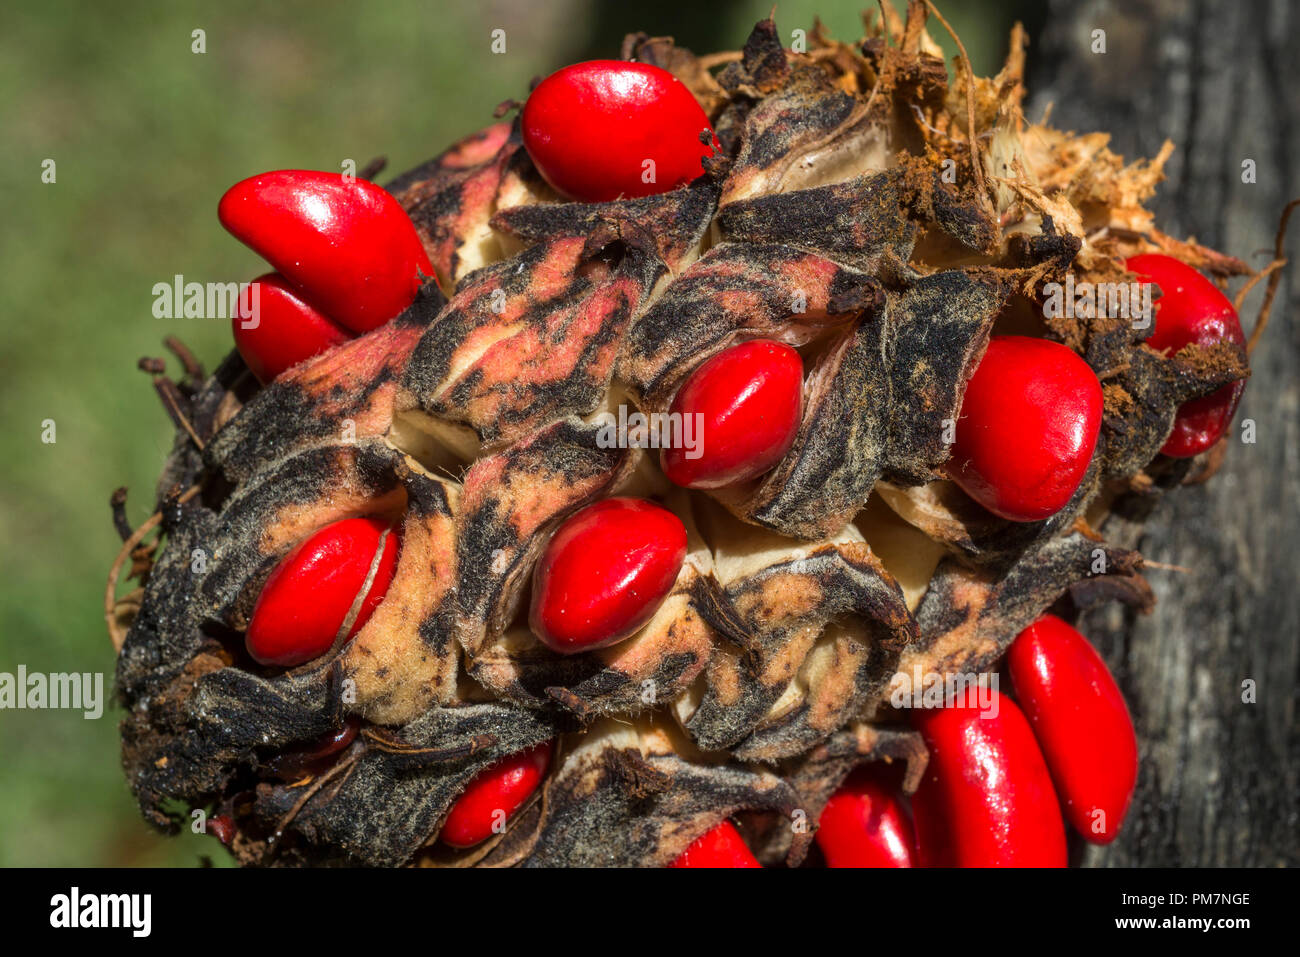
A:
[(146, 135)]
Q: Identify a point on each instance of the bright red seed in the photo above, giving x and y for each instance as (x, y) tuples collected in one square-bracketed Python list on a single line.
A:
[(497, 793), (749, 398), (604, 573), (284, 331), (344, 242), (720, 847), (986, 799), (608, 128), (1191, 309), (1081, 722), (865, 823), (1028, 426), (309, 593)]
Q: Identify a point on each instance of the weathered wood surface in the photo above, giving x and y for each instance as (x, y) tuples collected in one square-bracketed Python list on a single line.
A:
[(1218, 784)]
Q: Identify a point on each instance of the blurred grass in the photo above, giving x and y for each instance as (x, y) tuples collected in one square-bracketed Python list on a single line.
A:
[(146, 135)]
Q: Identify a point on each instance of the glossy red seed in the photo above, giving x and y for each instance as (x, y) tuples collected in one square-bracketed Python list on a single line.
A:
[(604, 573), (1081, 722), (284, 330), (865, 823), (1028, 427), (986, 799), (590, 129), (1191, 309), (344, 242), (749, 399), (309, 593), (496, 794), (722, 846)]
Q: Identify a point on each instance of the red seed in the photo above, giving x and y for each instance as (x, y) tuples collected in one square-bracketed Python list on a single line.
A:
[(222, 827), (1191, 309), (986, 799), (1081, 722), (1028, 427), (315, 756), (496, 794), (344, 242), (720, 847), (865, 823), (309, 593), (604, 573), (332, 742), (590, 129), (288, 329), (749, 397)]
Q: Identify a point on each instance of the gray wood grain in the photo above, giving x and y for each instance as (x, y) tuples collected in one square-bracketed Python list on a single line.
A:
[(1218, 783)]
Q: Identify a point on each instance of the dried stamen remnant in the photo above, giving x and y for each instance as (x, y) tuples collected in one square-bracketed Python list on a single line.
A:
[(199, 410), (626, 794)]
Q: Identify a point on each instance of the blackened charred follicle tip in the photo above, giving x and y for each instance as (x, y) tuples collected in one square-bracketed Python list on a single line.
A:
[(193, 368)]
